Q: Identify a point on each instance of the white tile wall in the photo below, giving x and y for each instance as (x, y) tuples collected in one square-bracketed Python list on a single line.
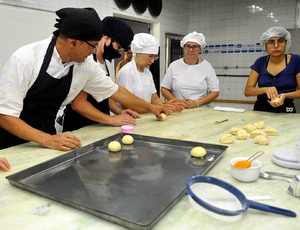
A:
[(221, 21)]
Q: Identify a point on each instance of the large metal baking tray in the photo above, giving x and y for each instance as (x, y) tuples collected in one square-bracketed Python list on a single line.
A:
[(134, 187)]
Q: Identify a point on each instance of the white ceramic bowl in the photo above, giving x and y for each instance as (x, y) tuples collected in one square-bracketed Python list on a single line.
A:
[(245, 174)]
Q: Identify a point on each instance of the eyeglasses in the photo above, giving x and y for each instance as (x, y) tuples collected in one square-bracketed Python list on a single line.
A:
[(155, 57), (188, 47), (279, 42), (95, 47), (120, 48)]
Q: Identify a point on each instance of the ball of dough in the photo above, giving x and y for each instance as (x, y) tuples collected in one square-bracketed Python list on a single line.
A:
[(127, 140), (260, 125), (276, 100), (234, 130), (261, 140), (242, 135), (198, 152), (249, 128), (270, 131), (256, 133), (114, 146), (227, 139), (164, 116)]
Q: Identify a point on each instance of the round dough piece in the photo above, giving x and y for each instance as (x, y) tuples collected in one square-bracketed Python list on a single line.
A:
[(261, 140), (198, 152), (234, 130), (256, 133), (260, 125), (242, 135), (164, 116), (249, 128), (276, 100), (271, 131), (127, 140), (114, 146), (226, 139)]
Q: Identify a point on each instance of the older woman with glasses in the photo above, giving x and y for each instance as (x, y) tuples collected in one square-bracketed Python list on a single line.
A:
[(136, 77), (275, 78), (191, 79)]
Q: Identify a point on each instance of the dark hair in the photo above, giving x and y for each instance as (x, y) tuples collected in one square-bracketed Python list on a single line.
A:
[(127, 49)]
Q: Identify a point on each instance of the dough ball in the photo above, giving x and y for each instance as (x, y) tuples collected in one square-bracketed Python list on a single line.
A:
[(242, 134), (249, 128), (226, 139), (256, 133), (271, 131), (164, 116), (276, 100), (234, 130), (127, 140), (114, 146), (198, 152), (261, 140), (260, 125)]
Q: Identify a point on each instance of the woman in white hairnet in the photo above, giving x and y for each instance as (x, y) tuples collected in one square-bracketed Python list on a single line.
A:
[(136, 77), (275, 78), (191, 79)]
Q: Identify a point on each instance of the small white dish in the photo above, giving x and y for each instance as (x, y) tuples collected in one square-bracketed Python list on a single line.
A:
[(245, 174)]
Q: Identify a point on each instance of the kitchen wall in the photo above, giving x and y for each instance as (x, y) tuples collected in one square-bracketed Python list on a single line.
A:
[(232, 29)]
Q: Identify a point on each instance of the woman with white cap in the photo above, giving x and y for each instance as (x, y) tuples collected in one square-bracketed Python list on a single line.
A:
[(191, 79), (275, 78), (136, 77)]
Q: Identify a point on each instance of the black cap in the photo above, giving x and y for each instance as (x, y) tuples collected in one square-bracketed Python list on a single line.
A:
[(79, 23), (118, 30)]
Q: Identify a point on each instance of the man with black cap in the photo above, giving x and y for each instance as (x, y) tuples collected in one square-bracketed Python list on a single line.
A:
[(116, 34), (42, 77)]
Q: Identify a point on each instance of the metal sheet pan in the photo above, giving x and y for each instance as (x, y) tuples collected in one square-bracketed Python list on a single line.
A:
[(134, 187)]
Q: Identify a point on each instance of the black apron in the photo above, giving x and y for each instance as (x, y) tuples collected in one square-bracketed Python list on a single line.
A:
[(42, 101), (73, 120)]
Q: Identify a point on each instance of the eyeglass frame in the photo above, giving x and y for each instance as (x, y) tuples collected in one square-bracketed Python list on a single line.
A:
[(194, 47), (279, 42), (153, 56), (120, 48), (95, 47)]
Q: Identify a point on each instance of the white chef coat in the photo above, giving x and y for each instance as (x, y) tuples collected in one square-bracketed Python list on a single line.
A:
[(140, 84), (190, 81), (23, 68)]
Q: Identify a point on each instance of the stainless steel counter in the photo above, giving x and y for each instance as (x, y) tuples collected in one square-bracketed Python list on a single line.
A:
[(23, 210)]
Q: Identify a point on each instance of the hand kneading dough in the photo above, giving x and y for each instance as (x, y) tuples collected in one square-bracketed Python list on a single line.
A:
[(226, 139), (271, 131), (260, 125), (234, 130), (198, 152), (127, 140), (261, 140), (256, 133), (242, 135), (249, 128), (276, 100), (114, 146)]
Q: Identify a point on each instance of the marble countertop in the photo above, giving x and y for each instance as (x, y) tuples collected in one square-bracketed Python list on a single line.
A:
[(21, 209)]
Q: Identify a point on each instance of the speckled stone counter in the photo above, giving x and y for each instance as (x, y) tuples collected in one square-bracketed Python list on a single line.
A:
[(20, 209)]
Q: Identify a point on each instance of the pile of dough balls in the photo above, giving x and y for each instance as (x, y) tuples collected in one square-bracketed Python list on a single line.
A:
[(258, 132), (115, 146), (198, 152)]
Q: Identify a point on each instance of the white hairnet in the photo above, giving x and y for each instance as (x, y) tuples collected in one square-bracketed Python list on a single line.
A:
[(276, 32), (145, 44), (194, 37)]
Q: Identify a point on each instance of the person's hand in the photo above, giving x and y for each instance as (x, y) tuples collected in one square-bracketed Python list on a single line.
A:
[(124, 119), (177, 105), (191, 104), (4, 164), (130, 112), (271, 93), (157, 110), (277, 101), (62, 141)]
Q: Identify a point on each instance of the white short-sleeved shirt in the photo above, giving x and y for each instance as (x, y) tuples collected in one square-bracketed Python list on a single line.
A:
[(140, 84), (23, 68), (190, 81)]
